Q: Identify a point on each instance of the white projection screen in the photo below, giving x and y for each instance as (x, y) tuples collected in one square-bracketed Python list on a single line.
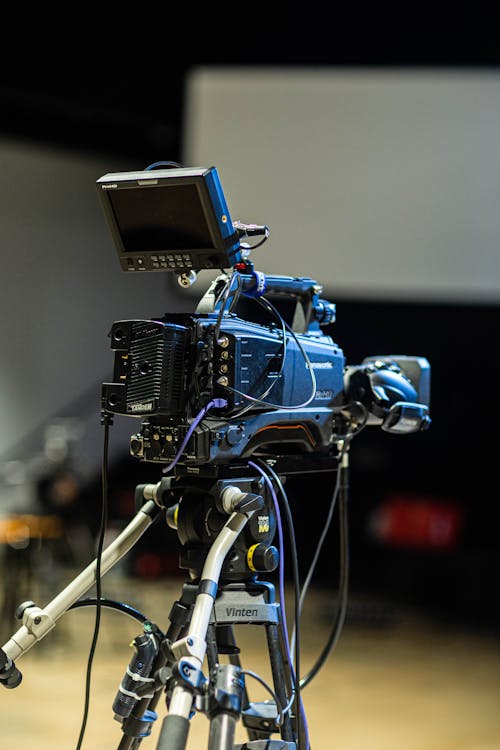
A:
[(379, 183)]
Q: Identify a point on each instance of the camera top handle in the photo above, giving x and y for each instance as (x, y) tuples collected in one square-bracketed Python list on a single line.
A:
[(311, 311)]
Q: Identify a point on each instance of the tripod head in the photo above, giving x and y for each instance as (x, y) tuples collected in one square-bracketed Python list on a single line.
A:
[(197, 508)]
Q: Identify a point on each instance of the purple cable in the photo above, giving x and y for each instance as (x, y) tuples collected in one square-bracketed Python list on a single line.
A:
[(217, 403), (282, 588), (281, 548)]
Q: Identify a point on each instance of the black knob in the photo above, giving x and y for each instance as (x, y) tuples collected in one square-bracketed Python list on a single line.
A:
[(171, 516), (22, 608), (234, 435), (262, 558), (10, 676)]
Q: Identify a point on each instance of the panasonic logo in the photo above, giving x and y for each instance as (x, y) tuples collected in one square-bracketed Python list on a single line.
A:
[(322, 365)]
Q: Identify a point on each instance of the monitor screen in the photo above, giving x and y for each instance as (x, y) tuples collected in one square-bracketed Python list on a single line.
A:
[(160, 219), (173, 220)]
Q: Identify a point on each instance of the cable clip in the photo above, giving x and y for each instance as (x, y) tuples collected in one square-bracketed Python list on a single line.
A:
[(258, 289)]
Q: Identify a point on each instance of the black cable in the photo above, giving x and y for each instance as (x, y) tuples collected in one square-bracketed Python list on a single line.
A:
[(307, 362), (126, 609), (282, 354), (279, 707), (296, 583), (343, 589), (319, 546), (107, 421), (257, 244), (340, 491), (157, 164), (329, 516), (227, 292), (359, 426)]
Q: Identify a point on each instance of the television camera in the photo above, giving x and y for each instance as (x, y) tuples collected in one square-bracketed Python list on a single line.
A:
[(272, 385), (232, 398)]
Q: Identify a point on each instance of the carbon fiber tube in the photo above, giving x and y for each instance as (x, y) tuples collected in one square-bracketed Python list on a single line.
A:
[(222, 729), (173, 733)]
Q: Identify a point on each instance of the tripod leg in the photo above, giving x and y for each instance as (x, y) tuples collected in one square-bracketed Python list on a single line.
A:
[(134, 724), (212, 649), (227, 644), (222, 730), (179, 617), (281, 677), (227, 687), (221, 726), (190, 650), (222, 723)]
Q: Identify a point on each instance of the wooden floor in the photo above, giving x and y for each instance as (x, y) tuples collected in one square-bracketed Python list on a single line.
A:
[(412, 685)]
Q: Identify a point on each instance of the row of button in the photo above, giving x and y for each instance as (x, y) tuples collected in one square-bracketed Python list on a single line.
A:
[(161, 261), (170, 264), (173, 256)]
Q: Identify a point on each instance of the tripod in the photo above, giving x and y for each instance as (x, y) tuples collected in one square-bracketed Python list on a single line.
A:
[(223, 591), (225, 527)]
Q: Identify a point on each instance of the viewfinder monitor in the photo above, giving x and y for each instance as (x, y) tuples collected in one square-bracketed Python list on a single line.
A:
[(169, 219)]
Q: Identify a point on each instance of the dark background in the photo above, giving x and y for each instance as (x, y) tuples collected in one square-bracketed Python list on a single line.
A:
[(112, 82), (113, 85)]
